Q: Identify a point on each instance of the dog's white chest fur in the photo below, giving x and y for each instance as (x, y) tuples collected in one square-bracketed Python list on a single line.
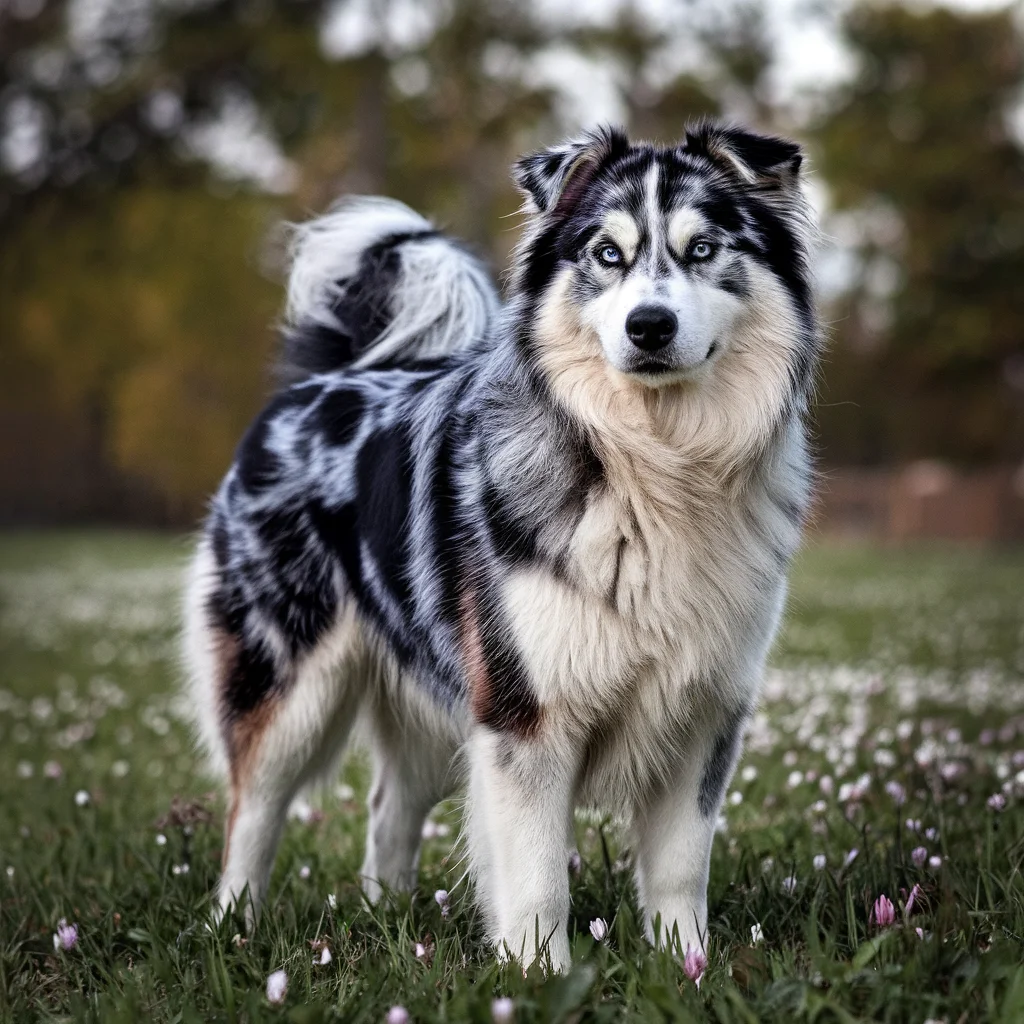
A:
[(667, 601)]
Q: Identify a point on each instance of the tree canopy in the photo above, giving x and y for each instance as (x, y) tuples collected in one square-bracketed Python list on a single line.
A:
[(150, 151), (920, 143)]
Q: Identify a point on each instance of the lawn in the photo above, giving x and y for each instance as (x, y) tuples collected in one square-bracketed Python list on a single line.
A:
[(888, 754)]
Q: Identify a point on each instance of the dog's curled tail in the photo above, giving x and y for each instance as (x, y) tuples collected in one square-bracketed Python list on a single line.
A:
[(373, 283)]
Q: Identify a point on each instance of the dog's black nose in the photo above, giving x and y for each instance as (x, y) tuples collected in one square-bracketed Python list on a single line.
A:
[(651, 327)]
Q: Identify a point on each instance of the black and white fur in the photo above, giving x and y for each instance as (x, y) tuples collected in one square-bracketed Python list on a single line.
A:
[(551, 537)]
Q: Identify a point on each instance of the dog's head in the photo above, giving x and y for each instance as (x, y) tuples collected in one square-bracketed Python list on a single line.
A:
[(671, 266)]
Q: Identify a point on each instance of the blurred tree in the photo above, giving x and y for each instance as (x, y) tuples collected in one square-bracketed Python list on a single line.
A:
[(148, 149), (919, 151), (657, 97), (107, 93), (442, 118), (129, 305), (142, 333), (740, 54)]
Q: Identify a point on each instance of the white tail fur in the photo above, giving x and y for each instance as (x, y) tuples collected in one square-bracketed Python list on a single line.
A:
[(441, 301)]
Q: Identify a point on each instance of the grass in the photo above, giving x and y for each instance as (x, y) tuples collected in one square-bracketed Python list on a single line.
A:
[(895, 669)]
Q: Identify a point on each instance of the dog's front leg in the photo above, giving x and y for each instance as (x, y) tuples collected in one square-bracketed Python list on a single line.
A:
[(674, 832), (519, 827)]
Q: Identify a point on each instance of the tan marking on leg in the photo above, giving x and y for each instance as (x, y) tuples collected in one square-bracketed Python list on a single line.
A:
[(243, 734), (473, 655), (244, 740), (500, 694)]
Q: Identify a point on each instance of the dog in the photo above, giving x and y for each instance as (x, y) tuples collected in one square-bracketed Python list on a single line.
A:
[(545, 540)]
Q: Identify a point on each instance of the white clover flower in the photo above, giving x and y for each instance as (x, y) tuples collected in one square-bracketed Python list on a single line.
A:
[(819, 862), (695, 963), (305, 871), (303, 811), (503, 1010), (897, 792), (434, 829), (66, 936), (599, 929), (441, 899), (277, 987), (82, 798)]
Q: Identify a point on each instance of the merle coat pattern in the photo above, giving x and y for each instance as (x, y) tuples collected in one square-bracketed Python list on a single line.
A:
[(550, 537)]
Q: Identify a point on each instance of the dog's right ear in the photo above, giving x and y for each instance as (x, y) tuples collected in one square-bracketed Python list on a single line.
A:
[(554, 179)]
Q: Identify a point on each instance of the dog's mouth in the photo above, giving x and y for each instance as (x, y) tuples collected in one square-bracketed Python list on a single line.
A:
[(650, 366)]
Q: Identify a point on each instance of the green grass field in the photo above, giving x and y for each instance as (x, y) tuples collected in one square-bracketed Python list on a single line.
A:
[(899, 674)]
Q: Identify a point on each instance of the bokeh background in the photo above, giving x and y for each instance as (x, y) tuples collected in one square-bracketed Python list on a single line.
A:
[(150, 151)]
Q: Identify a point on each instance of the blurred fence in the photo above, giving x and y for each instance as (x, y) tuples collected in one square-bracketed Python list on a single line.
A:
[(925, 500)]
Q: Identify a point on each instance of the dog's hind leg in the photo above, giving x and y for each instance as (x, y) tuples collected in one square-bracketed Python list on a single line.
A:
[(291, 736), (410, 774)]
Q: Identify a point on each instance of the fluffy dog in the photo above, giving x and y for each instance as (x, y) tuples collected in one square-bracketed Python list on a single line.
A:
[(552, 536)]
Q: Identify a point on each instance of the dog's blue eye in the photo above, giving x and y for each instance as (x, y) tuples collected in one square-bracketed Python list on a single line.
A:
[(610, 255), (702, 251)]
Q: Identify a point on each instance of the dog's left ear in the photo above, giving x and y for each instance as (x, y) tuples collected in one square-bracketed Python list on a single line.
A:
[(554, 179), (764, 159)]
